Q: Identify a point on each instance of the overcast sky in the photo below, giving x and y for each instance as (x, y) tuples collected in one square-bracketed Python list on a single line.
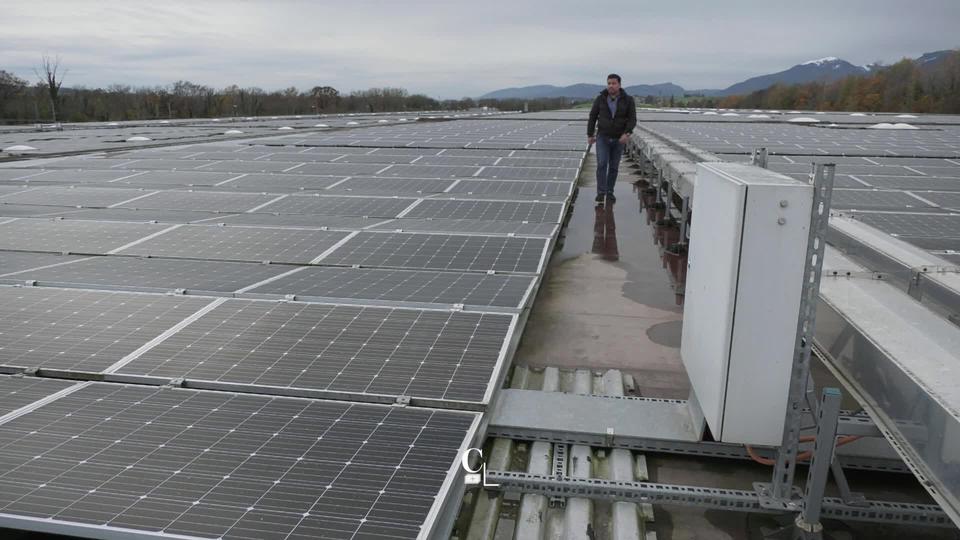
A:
[(453, 49)]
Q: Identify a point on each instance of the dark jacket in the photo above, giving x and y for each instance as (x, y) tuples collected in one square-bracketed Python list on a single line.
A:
[(622, 122)]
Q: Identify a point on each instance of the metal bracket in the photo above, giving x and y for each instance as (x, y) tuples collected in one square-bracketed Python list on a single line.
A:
[(824, 445), (402, 401), (759, 157), (767, 500), (785, 466), (709, 497), (559, 471)]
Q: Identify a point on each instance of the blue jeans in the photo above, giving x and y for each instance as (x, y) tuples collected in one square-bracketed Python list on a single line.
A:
[(609, 151)]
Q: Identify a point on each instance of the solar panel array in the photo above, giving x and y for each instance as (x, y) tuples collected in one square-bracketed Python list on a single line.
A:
[(313, 323), (904, 182)]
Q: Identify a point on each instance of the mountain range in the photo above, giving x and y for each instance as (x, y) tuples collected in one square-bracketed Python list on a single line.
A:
[(824, 69)]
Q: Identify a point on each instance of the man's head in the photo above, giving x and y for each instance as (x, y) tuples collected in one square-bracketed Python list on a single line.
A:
[(613, 84)]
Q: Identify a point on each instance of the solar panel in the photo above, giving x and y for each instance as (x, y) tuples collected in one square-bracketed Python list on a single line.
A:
[(34, 210), (82, 330), (384, 186), (530, 173), (441, 252), (237, 166), (386, 207), (412, 152), (470, 152), (172, 178), (13, 262), (877, 200), (429, 171), (505, 187), (930, 225), (315, 221), (65, 196), (945, 200), (280, 182), (338, 169), (449, 160), (65, 176), (567, 163), (475, 226), (432, 354), (200, 201), (72, 236), (17, 391), (914, 182), (134, 273), (404, 286), (115, 459), (488, 210), (135, 215), (376, 158), (239, 243)]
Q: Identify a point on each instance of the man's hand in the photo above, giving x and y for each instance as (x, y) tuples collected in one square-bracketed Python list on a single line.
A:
[(624, 138), (591, 140)]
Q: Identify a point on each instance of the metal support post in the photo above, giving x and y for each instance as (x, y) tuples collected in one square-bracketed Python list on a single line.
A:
[(684, 215), (808, 526), (660, 186), (669, 201), (781, 489), (759, 157)]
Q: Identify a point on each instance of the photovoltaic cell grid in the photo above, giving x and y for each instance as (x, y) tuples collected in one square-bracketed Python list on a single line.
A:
[(221, 465), (13, 262), (468, 226), (17, 392), (441, 252), (488, 210), (801, 140), (74, 236), (386, 207), (82, 330), (434, 354), (404, 286), (135, 273), (136, 472), (239, 244)]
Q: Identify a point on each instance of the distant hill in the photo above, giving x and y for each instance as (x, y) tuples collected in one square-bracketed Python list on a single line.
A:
[(827, 69), (923, 85), (580, 91), (824, 69), (932, 60)]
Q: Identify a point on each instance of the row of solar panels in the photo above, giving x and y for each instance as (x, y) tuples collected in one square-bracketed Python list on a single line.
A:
[(905, 183), (941, 142), (354, 313)]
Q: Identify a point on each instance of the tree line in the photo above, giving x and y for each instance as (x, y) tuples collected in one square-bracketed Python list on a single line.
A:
[(907, 86), (46, 100)]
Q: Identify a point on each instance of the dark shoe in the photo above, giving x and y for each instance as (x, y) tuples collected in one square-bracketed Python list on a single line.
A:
[(599, 198), (611, 198)]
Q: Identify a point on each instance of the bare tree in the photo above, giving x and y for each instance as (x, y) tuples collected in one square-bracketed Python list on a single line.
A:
[(51, 77)]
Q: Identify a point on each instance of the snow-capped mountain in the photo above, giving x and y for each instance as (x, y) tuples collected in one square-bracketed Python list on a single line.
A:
[(822, 69)]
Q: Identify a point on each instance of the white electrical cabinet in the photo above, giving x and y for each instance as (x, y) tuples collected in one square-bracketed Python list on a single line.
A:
[(748, 244)]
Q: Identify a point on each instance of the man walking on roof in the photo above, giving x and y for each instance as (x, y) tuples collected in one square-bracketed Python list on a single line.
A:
[(614, 115)]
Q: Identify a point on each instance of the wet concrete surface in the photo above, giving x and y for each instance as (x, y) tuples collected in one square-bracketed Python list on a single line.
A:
[(606, 302)]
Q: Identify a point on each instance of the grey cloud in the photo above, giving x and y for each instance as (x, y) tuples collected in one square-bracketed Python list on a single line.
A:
[(454, 48)]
